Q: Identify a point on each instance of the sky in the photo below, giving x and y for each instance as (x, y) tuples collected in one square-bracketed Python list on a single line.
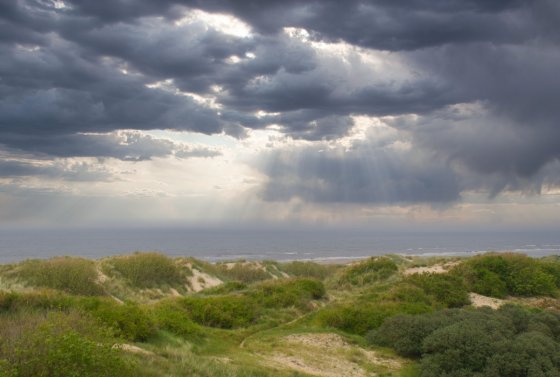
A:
[(385, 114)]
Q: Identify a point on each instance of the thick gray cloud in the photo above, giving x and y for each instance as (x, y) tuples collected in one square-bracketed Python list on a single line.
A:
[(69, 76)]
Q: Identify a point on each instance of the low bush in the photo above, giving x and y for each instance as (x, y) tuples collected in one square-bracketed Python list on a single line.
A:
[(446, 289), (287, 293), (511, 341), (408, 293), (56, 345), (169, 315), (359, 318), (76, 276), (147, 270), (499, 275), (128, 321), (225, 312), (368, 271)]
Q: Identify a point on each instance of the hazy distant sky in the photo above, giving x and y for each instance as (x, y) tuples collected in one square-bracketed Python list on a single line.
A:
[(386, 113)]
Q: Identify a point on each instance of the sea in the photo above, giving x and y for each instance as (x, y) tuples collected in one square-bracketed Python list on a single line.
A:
[(272, 244)]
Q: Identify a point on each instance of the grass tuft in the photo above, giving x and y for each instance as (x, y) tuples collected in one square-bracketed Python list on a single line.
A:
[(76, 276), (146, 270)]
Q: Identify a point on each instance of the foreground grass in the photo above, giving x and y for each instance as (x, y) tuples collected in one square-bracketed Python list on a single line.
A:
[(98, 318)]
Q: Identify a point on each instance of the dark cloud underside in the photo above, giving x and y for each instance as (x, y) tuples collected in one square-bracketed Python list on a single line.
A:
[(73, 75)]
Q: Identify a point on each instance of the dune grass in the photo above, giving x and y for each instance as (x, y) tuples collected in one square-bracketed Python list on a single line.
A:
[(245, 272), (308, 269), (147, 270), (76, 276), (366, 272)]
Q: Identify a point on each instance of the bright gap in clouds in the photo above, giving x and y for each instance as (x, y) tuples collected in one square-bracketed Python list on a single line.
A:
[(224, 23)]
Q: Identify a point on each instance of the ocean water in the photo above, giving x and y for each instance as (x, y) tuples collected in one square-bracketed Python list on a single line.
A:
[(225, 244)]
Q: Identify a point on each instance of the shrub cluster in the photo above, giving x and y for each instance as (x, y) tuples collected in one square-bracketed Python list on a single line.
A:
[(243, 309), (499, 275), (76, 276), (361, 317), (128, 320), (511, 341), (56, 345), (287, 293), (147, 270), (445, 289), (171, 316), (225, 312), (368, 271)]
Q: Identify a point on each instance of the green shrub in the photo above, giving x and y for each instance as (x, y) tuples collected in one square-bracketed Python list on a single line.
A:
[(408, 293), (498, 275), (59, 344), (447, 289), (406, 333), (462, 347), (287, 293), (511, 341), (171, 316), (128, 320), (359, 318), (225, 312), (72, 275), (552, 268), (528, 354), (368, 271), (308, 269), (147, 270)]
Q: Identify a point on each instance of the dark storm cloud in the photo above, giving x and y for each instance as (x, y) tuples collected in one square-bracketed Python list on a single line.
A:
[(399, 25), (106, 65)]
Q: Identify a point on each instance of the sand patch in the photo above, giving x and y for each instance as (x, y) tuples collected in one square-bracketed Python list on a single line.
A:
[(132, 349), (174, 292), (435, 269), (201, 280), (254, 265), (328, 355), (479, 301)]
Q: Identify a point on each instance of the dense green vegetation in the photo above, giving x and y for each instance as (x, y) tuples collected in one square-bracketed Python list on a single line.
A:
[(58, 344), (69, 316), (499, 275), (511, 341)]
